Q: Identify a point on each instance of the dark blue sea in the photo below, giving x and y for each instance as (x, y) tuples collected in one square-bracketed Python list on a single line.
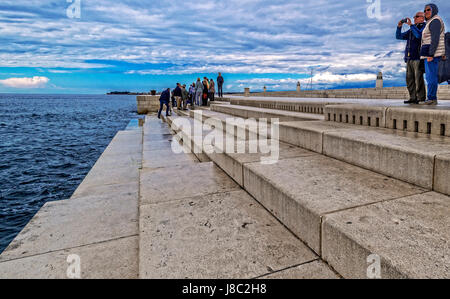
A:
[(48, 143)]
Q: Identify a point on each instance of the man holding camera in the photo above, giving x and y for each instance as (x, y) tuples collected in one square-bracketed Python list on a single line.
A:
[(414, 65)]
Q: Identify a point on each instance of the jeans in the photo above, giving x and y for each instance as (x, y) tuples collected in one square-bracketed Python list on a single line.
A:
[(161, 105), (415, 81), (198, 98), (220, 91), (431, 69)]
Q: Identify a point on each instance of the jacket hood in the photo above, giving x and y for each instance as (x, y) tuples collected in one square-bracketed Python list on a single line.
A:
[(434, 9)]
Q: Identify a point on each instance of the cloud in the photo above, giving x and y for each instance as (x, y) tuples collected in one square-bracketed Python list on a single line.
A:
[(233, 36), (34, 82), (328, 77)]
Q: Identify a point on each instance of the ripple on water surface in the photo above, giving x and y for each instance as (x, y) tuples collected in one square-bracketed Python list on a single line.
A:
[(48, 143)]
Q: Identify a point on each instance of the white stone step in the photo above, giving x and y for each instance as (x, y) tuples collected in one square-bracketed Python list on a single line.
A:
[(253, 112), (433, 120), (304, 189), (408, 237), (406, 156), (195, 222)]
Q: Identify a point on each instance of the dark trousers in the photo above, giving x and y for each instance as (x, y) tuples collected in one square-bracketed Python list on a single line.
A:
[(161, 106), (174, 102), (415, 81), (211, 96), (220, 90)]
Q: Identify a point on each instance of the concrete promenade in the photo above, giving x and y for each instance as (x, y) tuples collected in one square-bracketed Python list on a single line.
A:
[(360, 189), (400, 93)]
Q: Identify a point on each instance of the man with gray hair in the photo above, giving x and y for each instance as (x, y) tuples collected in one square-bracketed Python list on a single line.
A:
[(414, 65)]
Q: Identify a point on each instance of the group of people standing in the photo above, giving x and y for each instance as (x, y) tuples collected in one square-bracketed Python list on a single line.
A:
[(199, 94), (424, 50), (202, 91)]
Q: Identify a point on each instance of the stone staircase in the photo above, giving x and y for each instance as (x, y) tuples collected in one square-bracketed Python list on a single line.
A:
[(354, 93), (337, 190), (196, 222), (351, 192)]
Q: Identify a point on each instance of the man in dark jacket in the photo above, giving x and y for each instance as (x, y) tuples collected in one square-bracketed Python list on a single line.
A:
[(220, 82), (164, 99), (177, 95), (414, 65)]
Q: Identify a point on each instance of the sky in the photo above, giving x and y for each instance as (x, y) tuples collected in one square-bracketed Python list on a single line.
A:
[(97, 46)]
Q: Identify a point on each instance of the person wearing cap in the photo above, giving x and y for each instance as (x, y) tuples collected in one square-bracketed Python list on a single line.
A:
[(433, 48), (414, 65)]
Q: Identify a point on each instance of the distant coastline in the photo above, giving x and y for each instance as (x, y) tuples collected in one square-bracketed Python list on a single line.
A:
[(127, 93)]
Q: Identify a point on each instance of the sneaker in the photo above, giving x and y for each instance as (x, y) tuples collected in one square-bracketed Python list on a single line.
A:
[(430, 102)]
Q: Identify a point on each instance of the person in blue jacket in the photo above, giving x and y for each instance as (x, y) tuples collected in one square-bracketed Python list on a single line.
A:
[(414, 66), (164, 99)]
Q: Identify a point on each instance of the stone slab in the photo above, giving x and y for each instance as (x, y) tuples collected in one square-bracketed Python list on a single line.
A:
[(300, 106), (313, 270), (309, 134), (157, 145), (233, 163), (442, 174), (72, 223), (147, 104), (365, 115), (111, 176), (100, 191), (257, 113), (402, 155), (117, 259), (194, 180), (300, 191), (125, 143), (244, 128), (224, 235), (410, 235), (429, 120), (167, 158)]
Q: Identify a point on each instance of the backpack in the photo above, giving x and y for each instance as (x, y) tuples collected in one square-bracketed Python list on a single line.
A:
[(444, 64), (447, 45)]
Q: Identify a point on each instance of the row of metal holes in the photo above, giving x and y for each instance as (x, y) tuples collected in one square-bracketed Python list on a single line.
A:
[(290, 108), (295, 108), (416, 127), (405, 123), (361, 120)]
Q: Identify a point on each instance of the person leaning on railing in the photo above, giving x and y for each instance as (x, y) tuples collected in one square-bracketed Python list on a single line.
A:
[(164, 99)]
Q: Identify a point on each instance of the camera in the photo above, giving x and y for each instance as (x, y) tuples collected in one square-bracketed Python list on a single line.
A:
[(405, 20)]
